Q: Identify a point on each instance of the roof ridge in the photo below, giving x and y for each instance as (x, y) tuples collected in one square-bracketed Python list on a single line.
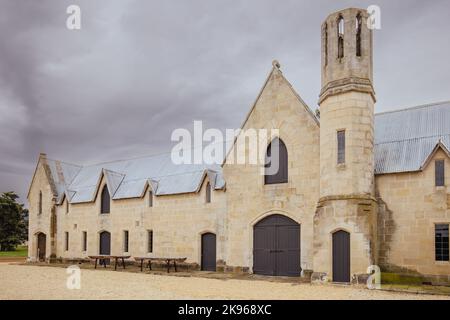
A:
[(151, 155), (415, 138), (65, 162), (415, 107)]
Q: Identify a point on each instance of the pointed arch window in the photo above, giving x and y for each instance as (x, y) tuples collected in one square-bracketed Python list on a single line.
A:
[(276, 167), (208, 193), (105, 201), (358, 34), (340, 35), (150, 198)]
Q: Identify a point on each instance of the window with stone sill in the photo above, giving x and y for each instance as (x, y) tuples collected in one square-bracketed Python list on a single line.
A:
[(441, 242), (125, 240), (84, 241), (66, 241), (439, 173), (341, 147), (149, 241)]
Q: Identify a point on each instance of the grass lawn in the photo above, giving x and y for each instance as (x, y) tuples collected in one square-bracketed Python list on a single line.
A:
[(21, 251)]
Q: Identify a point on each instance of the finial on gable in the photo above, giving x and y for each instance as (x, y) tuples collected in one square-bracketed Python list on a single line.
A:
[(276, 64)]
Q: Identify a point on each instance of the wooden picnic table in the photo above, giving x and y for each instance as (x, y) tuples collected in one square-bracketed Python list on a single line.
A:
[(167, 261), (103, 259)]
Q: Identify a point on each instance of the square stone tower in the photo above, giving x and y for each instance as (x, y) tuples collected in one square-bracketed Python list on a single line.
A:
[(345, 219)]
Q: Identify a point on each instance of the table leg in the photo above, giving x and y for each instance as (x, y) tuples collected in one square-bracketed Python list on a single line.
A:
[(150, 264), (142, 264), (115, 263), (96, 263), (168, 265), (123, 262), (175, 265)]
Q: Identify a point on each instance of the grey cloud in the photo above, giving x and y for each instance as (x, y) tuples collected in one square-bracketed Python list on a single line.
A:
[(139, 69)]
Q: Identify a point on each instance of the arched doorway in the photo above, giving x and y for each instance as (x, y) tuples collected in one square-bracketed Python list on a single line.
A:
[(105, 244), (276, 246), (341, 256), (41, 246), (208, 262)]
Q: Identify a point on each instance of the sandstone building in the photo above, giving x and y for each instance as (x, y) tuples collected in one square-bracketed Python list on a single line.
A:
[(354, 188)]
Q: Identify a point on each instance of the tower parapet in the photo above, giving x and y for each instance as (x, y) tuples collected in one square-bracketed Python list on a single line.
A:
[(347, 51)]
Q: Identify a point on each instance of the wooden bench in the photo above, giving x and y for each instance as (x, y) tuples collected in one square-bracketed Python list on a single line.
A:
[(166, 260), (104, 258)]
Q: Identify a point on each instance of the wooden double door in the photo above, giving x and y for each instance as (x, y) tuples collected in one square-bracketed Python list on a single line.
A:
[(276, 247)]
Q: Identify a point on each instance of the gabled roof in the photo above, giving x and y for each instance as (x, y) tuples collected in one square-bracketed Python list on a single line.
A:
[(130, 178), (404, 139), (275, 71), (62, 174)]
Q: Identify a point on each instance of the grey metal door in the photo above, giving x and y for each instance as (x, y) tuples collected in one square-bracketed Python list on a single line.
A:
[(42, 244), (276, 247), (208, 252), (341, 256)]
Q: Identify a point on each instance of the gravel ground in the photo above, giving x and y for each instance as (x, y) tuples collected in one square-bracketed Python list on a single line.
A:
[(34, 282)]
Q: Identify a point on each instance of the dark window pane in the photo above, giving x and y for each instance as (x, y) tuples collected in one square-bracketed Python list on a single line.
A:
[(150, 241), (208, 192), (66, 241), (439, 173), (125, 241), (84, 241), (441, 242), (40, 202), (358, 35), (150, 199), (276, 166), (105, 201), (341, 147)]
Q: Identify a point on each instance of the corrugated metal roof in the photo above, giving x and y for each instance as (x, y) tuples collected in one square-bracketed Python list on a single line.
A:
[(405, 138), (129, 178), (62, 175)]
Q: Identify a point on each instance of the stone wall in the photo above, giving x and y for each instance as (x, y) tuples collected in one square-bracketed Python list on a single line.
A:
[(410, 207), (41, 223), (177, 222), (354, 113), (249, 200), (356, 215)]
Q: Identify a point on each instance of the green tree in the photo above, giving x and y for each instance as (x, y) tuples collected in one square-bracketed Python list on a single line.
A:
[(13, 222)]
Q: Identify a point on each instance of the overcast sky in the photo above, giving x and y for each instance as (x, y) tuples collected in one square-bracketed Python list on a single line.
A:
[(139, 69)]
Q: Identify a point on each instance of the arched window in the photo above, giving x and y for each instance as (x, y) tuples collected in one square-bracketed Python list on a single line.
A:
[(40, 203), (150, 198), (105, 200), (340, 30), (276, 170), (358, 34), (208, 193)]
